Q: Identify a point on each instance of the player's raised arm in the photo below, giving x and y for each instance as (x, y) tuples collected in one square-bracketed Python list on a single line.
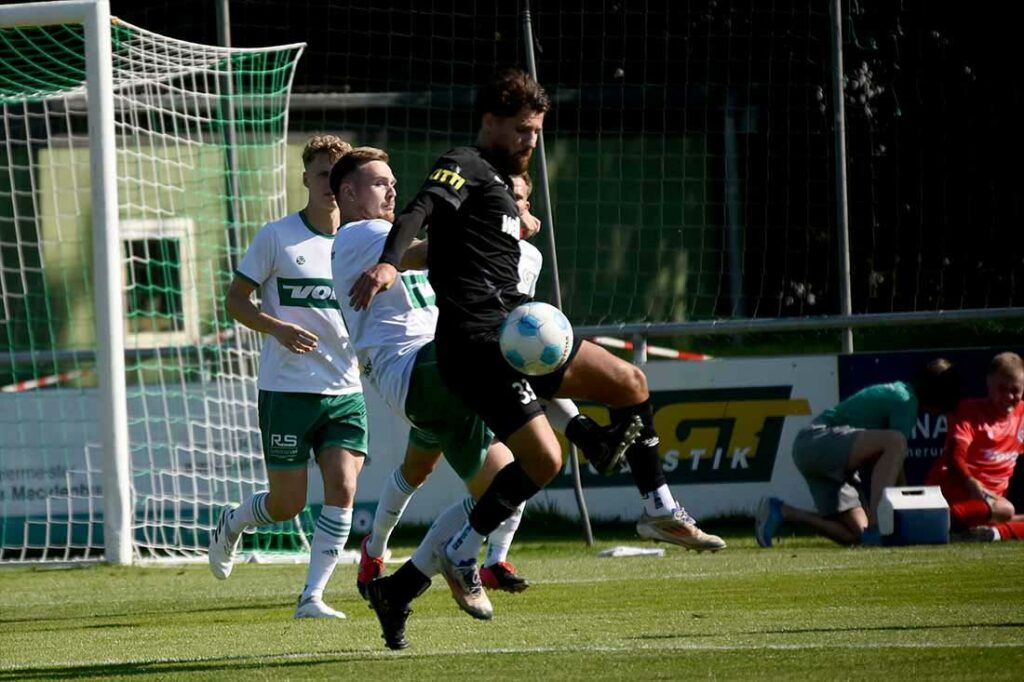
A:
[(415, 257)]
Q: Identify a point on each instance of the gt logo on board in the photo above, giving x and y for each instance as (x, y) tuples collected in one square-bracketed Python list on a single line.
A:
[(726, 435)]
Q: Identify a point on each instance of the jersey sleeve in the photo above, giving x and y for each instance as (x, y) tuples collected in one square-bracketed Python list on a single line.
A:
[(258, 263), (453, 176), (357, 249)]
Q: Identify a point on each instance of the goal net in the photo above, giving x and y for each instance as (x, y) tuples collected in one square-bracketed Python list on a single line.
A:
[(200, 165)]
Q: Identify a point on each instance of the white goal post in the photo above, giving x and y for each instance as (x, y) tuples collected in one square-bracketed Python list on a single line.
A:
[(160, 438), (113, 423)]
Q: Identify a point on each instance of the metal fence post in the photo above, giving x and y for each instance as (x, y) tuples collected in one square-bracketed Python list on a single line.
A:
[(842, 201)]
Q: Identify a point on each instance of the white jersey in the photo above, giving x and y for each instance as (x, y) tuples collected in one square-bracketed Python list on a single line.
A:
[(400, 321), (530, 262), (290, 262)]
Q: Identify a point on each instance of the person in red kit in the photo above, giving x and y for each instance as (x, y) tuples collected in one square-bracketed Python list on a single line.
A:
[(984, 440)]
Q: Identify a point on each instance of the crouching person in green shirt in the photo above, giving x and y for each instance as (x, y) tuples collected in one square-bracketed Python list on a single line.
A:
[(868, 430)]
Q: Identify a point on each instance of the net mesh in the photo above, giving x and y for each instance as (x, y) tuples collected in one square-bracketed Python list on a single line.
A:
[(200, 164)]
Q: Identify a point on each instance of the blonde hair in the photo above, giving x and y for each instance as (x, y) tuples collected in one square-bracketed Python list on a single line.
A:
[(1007, 364), (332, 145)]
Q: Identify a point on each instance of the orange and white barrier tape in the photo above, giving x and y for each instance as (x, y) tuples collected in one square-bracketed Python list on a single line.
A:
[(656, 351), (52, 379)]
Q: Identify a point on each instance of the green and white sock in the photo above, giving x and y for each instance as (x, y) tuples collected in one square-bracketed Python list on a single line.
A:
[(332, 529), (394, 498), (252, 513)]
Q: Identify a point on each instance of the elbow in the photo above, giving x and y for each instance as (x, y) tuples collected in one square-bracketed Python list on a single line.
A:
[(415, 257), (231, 305)]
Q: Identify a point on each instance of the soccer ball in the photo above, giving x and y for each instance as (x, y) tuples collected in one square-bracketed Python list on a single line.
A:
[(536, 338)]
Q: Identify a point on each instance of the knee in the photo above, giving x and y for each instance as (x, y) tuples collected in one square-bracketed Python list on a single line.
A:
[(633, 382), (339, 489), (545, 467), (345, 487), (1002, 510)]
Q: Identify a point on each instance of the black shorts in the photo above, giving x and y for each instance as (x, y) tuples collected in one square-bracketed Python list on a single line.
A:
[(477, 372)]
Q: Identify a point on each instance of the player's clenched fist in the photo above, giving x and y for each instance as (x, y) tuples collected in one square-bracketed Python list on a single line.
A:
[(530, 224), (378, 278), (295, 338)]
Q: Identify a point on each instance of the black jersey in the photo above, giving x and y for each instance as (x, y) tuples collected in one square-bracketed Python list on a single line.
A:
[(474, 249)]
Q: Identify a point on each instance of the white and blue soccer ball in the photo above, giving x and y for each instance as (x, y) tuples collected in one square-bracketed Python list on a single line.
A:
[(536, 338)]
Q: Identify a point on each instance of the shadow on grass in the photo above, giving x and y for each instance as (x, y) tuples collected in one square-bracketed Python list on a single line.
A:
[(807, 631), (153, 612), (228, 665)]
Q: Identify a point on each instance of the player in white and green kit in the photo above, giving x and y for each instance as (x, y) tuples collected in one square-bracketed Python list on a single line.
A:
[(310, 395), (394, 345)]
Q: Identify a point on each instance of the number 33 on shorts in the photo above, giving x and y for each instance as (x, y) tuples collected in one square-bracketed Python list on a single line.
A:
[(526, 394)]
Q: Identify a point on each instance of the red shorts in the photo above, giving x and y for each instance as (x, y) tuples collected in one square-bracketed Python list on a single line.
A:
[(965, 511)]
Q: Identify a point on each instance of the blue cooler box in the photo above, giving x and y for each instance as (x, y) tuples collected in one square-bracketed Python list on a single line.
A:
[(913, 516)]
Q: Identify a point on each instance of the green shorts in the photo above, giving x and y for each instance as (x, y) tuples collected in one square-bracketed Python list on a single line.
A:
[(294, 424), (442, 420)]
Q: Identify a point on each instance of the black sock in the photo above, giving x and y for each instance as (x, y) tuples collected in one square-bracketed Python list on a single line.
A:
[(581, 432), (408, 582), (509, 489), (643, 458)]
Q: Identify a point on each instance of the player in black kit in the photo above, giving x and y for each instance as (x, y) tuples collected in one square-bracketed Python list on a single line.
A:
[(474, 229)]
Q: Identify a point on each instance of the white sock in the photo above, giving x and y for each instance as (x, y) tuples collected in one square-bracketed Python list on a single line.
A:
[(332, 529), (447, 524), (499, 541), (560, 412), (465, 544), (659, 502), (252, 513), (394, 498)]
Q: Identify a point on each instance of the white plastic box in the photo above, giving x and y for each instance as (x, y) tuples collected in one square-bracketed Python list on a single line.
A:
[(913, 516)]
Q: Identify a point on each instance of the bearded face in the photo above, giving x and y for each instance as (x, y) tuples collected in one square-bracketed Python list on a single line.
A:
[(510, 140)]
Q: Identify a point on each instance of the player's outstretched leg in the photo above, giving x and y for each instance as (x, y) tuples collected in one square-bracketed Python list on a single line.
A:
[(604, 446), (663, 518), (597, 375), (223, 545)]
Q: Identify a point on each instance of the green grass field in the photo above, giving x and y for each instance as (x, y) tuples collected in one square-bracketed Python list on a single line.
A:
[(804, 610)]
